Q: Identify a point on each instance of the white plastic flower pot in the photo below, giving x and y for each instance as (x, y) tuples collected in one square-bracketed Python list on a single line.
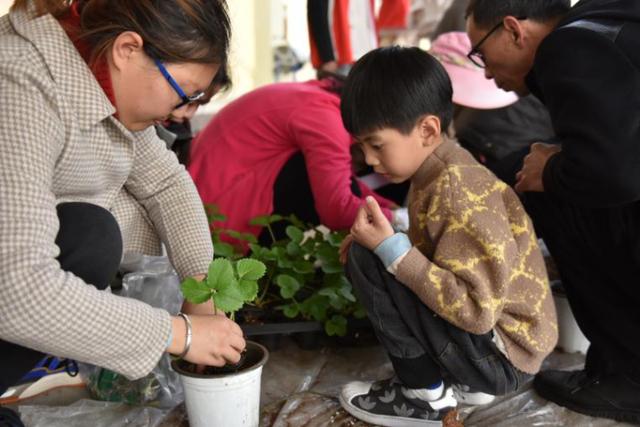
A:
[(570, 337), (228, 400)]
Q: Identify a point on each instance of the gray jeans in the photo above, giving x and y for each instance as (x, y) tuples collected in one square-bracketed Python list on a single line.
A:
[(423, 347)]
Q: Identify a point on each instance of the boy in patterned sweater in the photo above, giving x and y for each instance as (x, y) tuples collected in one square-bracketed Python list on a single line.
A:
[(461, 302)]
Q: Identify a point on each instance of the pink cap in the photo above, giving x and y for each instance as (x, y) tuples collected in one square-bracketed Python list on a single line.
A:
[(470, 87)]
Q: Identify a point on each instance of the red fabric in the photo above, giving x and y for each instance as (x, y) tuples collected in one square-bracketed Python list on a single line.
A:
[(70, 21), (236, 158), (342, 32), (316, 61), (393, 14)]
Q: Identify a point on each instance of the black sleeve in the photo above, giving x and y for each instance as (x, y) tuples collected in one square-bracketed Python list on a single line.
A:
[(318, 20), (592, 92)]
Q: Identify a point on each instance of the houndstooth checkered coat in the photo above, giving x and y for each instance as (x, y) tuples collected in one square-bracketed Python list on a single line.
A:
[(59, 142)]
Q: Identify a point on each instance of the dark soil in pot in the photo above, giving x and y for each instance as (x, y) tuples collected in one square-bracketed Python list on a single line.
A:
[(255, 355)]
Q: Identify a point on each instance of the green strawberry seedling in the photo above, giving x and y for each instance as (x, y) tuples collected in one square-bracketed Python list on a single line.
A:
[(230, 284)]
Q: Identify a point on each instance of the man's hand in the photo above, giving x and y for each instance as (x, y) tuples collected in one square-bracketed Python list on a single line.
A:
[(371, 227), (530, 177)]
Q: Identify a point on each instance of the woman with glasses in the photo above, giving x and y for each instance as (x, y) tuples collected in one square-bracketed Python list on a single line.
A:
[(81, 85)]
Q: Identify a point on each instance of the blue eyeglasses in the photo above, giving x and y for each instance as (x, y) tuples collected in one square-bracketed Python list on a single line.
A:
[(185, 99)]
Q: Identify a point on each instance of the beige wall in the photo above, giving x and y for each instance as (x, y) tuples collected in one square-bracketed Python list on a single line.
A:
[(4, 6)]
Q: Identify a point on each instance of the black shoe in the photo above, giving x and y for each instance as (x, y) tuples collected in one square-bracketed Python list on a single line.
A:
[(611, 396), (9, 418)]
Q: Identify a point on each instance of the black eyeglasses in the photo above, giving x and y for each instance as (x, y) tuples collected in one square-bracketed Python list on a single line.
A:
[(185, 99), (475, 55)]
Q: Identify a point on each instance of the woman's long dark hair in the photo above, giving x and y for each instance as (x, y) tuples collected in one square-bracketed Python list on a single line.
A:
[(174, 31)]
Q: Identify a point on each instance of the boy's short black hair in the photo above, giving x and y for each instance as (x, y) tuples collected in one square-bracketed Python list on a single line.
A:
[(487, 13), (393, 87)]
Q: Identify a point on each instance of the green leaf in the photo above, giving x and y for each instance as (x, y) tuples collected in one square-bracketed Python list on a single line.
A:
[(275, 218), (291, 310), (213, 213), (337, 325), (317, 307), (293, 249), (250, 269), (228, 297), (256, 249), (360, 312), (295, 221), (327, 253), (303, 267), (347, 294), (220, 273), (334, 299), (309, 246), (328, 292), (264, 220), (280, 254), (249, 289), (335, 239), (269, 255), (332, 267), (224, 250), (246, 237), (249, 238), (288, 285), (295, 234), (194, 291)]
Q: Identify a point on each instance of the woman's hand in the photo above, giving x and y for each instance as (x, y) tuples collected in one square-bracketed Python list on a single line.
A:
[(215, 341), (371, 227)]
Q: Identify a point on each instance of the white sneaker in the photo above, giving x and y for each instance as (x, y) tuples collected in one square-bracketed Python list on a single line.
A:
[(464, 395)]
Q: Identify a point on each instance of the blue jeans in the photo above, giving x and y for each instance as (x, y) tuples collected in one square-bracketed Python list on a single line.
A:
[(423, 347)]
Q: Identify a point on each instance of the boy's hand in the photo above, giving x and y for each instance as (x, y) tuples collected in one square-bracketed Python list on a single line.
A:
[(530, 177), (344, 248), (371, 227)]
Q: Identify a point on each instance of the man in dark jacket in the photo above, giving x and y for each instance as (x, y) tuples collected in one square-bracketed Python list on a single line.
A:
[(583, 192)]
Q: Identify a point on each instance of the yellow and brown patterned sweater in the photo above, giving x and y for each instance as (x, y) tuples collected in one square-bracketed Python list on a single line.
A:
[(475, 259)]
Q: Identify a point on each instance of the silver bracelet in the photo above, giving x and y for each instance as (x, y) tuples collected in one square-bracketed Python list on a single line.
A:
[(187, 342)]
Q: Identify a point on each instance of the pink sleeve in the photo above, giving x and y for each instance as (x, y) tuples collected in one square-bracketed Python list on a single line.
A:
[(325, 145)]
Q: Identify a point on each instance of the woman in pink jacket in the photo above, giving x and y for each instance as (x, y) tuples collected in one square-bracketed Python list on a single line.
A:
[(280, 149)]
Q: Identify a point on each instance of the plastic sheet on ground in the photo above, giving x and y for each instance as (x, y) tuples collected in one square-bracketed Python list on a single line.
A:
[(300, 388), (92, 413)]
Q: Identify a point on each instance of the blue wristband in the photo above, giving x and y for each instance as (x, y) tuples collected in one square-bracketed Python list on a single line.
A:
[(393, 247)]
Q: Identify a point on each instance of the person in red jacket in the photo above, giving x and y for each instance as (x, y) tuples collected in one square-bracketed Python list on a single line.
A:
[(337, 40), (280, 149)]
